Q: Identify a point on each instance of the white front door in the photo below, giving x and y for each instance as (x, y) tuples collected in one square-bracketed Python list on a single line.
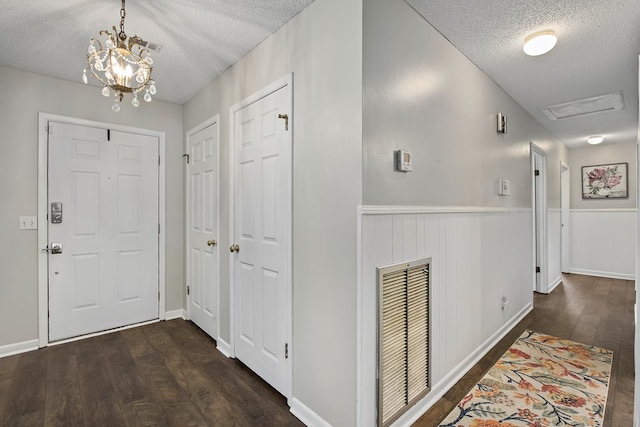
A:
[(103, 212), (202, 228), (261, 236)]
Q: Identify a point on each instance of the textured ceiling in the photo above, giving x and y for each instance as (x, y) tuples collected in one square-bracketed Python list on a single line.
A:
[(597, 53), (199, 38)]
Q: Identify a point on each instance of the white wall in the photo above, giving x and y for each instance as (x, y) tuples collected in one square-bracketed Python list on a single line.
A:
[(603, 231), (24, 95), (322, 46)]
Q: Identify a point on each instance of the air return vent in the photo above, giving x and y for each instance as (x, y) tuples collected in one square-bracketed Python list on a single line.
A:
[(580, 107), (404, 353)]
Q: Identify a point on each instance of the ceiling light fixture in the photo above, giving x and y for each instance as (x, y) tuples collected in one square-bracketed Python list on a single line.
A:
[(539, 43), (593, 140), (118, 67)]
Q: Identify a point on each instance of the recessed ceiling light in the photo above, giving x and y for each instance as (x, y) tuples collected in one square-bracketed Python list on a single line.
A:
[(595, 140), (539, 43)]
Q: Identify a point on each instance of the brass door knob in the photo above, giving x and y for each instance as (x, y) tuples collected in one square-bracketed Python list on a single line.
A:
[(234, 248), (211, 242)]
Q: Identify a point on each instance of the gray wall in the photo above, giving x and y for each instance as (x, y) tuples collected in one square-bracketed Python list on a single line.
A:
[(422, 95), (600, 155), (322, 46), (24, 95)]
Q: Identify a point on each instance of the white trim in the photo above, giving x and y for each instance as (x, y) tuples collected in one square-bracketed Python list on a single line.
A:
[(608, 274), (392, 210), (604, 210), (176, 314), (108, 331), (359, 314), (306, 415), (285, 81), (210, 122), (43, 229), (416, 411), (554, 284), (17, 348), (224, 348)]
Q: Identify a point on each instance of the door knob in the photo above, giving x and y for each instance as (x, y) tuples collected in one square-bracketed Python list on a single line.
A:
[(211, 242), (56, 248), (234, 248)]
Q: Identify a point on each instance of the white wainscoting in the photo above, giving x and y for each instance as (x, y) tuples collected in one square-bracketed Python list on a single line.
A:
[(478, 256), (603, 242)]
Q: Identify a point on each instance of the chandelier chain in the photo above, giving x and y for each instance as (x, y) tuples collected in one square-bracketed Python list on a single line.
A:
[(123, 14)]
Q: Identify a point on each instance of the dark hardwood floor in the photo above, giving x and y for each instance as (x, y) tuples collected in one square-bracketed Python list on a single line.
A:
[(590, 310), (164, 374), (170, 373)]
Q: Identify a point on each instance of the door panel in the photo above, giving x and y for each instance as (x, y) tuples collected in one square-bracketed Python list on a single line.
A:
[(202, 226), (262, 229), (107, 273)]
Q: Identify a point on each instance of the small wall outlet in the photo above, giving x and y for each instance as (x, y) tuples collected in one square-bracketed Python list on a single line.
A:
[(28, 222), (504, 303)]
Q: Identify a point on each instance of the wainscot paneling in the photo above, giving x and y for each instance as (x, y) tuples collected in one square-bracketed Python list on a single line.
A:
[(478, 256), (554, 250), (603, 242)]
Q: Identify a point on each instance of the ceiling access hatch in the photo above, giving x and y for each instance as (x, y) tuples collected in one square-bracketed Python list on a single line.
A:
[(581, 107)]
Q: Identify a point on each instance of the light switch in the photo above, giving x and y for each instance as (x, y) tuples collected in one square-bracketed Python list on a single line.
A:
[(28, 223)]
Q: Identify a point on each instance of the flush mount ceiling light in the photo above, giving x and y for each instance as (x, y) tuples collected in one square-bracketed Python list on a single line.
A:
[(593, 140), (122, 66), (539, 43)]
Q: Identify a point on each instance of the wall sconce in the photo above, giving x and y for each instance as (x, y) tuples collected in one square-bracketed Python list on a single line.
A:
[(502, 123)]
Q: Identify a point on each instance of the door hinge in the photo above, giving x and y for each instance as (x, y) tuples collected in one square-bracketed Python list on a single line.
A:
[(108, 134), (158, 228), (158, 295), (49, 129), (537, 172), (158, 160), (286, 350), (187, 156), (537, 269), (188, 290)]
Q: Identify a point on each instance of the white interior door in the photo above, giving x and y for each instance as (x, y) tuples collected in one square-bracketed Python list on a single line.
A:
[(202, 228), (106, 184), (540, 220), (261, 235)]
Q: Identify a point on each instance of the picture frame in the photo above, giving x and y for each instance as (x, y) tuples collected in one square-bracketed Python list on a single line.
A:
[(608, 181)]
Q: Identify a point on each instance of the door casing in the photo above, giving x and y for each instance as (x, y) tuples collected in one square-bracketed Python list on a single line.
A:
[(43, 234)]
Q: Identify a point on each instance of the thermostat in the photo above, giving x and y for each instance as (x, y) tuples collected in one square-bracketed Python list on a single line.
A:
[(403, 161)]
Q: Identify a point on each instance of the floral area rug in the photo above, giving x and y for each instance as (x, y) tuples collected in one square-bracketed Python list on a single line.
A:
[(540, 381)]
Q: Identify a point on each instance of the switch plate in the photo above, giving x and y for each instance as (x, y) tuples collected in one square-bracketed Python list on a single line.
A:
[(28, 223)]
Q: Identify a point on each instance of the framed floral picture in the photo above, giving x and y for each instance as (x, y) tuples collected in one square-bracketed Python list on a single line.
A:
[(605, 181)]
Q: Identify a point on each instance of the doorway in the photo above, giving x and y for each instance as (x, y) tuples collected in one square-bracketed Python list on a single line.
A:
[(261, 233), (565, 205), (100, 222), (539, 206)]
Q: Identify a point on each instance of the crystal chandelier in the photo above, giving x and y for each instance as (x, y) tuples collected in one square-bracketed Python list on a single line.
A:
[(119, 68)]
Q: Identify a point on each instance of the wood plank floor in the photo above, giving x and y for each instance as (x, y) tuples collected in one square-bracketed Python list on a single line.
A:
[(170, 373), (590, 310), (164, 374)]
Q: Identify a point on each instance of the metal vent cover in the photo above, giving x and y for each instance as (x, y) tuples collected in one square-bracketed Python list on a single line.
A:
[(598, 104), (404, 337)]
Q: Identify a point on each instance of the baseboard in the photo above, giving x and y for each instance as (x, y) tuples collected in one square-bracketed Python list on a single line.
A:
[(439, 389), (224, 347), (608, 274), (554, 284), (306, 415), (175, 314), (17, 348)]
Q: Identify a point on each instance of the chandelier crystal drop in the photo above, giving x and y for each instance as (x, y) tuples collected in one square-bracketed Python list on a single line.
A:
[(122, 66)]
